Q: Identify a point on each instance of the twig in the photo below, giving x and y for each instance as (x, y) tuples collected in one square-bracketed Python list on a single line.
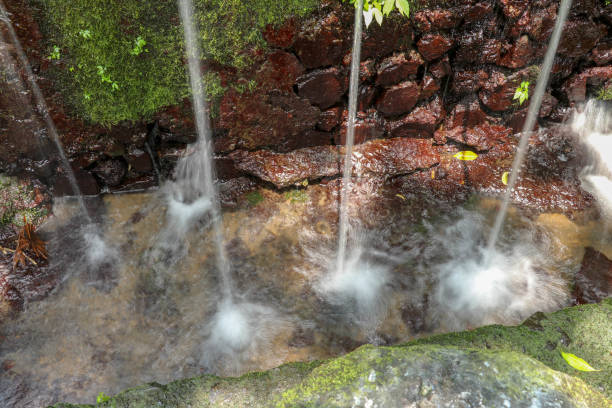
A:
[(4, 250)]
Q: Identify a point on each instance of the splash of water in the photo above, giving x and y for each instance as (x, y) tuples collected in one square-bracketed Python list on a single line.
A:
[(350, 138), (534, 108), (195, 188), (477, 286)]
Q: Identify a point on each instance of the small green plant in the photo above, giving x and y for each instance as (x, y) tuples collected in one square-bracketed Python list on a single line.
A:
[(522, 92), (105, 78), (254, 198), (139, 44), (378, 9), (605, 93), (86, 34), (55, 53), (102, 397)]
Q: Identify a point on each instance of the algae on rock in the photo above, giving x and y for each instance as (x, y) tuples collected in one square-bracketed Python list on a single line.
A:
[(123, 59)]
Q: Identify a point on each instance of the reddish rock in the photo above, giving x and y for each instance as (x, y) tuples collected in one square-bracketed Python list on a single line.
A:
[(379, 41), (368, 126), (467, 82), (282, 36), (253, 121), (365, 98), (233, 190), (481, 137), (548, 104), (579, 37), (321, 42), (594, 280), (441, 68), (429, 86), (85, 181), (520, 55), (498, 92), (285, 169), (602, 54), (395, 156), (398, 67), (514, 8), (433, 46), (473, 48), (466, 113), (322, 87), (225, 169), (329, 119), (381, 157), (476, 12), (437, 19), (576, 87), (517, 121), (111, 172), (280, 71), (139, 161), (420, 123), (539, 23), (367, 70), (399, 98)]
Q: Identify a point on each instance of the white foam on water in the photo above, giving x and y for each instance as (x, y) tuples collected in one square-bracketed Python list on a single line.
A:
[(182, 215), (477, 286)]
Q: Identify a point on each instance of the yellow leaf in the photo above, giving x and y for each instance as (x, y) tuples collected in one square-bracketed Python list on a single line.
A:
[(401, 196), (305, 182), (433, 174), (467, 155), (577, 362), (505, 178)]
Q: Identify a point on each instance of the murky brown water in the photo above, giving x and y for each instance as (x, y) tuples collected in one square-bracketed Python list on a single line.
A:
[(145, 314)]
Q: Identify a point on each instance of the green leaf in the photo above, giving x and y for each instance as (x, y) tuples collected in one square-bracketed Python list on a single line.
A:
[(388, 7), (403, 7), (378, 15), (466, 155), (577, 362)]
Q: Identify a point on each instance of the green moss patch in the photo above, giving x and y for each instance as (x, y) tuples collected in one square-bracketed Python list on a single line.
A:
[(119, 60)]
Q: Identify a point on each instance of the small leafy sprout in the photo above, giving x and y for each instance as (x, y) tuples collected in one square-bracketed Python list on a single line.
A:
[(87, 96), (577, 362), (86, 34), (378, 9), (105, 78), (522, 92), (139, 44), (55, 53), (102, 398)]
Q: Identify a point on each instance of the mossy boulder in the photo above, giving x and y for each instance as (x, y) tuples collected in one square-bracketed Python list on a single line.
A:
[(490, 366), (123, 60)]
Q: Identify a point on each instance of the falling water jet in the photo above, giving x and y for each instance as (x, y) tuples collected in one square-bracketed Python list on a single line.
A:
[(593, 124), (355, 283), (237, 328), (532, 113), (195, 173), (350, 139), (97, 251), (43, 110)]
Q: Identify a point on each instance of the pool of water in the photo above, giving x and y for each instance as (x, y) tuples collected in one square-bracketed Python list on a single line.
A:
[(137, 301)]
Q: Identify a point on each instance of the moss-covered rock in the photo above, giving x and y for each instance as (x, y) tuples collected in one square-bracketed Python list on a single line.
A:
[(123, 59), (490, 366)]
